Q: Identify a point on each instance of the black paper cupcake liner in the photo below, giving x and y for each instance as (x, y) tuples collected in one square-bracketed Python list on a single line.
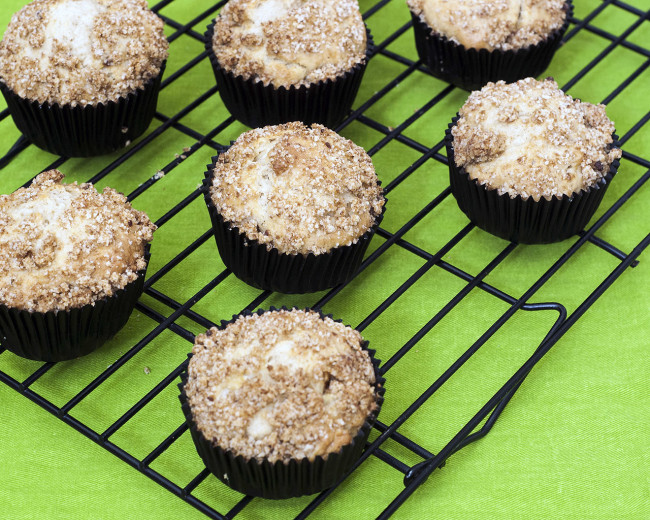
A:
[(326, 102), (522, 220), (281, 480), (272, 270), (471, 68), (69, 334), (85, 131)]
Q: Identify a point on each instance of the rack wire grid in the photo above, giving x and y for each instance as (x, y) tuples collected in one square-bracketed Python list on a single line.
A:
[(162, 320)]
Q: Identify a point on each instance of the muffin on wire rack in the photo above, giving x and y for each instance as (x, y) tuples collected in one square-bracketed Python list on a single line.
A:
[(529, 163), (293, 207), (472, 42), (81, 77), (72, 266), (277, 61), (280, 403)]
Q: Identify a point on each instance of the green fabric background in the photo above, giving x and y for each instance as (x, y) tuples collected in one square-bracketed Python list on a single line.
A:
[(572, 444)]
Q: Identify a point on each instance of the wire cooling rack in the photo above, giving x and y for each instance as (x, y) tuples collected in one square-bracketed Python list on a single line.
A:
[(413, 461)]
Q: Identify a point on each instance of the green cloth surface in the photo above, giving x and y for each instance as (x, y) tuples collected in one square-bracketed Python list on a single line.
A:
[(573, 442)]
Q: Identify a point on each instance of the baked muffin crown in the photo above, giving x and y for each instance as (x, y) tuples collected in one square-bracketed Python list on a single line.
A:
[(492, 24), (281, 385), (531, 139), (296, 188), (81, 52), (289, 42), (66, 245)]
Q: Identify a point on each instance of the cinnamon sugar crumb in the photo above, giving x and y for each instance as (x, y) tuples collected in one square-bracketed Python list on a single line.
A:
[(66, 245), (81, 52), (281, 385), (289, 42), (531, 139), (296, 188), (492, 24)]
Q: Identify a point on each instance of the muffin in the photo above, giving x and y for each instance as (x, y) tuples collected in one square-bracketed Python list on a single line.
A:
[(471, 42), (72, 265), (277, 61), (280, 403), (81, 77), (293, 207), (529, 163)]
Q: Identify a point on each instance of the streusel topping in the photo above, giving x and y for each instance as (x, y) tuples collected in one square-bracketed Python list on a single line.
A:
[(492, 24), (81, 52), (66, 245), (282, 385), (290, 42), (296, 188), (531, 139)]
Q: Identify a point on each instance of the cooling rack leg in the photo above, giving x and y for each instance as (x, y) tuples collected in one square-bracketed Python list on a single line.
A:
[(427, 465)]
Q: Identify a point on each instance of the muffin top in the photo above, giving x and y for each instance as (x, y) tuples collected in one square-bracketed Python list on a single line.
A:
[(531, 139), (281, 385), (289, 42), (81, 52), (65, 245), (296, 188), (492, 24)]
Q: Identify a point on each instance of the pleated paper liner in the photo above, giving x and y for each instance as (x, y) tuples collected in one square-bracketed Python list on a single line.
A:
[(525, 220), (272, 270), (326, 102), (279, 480), (471, 68), (69, 334), (85, 131)]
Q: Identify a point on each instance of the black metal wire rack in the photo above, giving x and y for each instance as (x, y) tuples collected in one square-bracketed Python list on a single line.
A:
[(180, 319)]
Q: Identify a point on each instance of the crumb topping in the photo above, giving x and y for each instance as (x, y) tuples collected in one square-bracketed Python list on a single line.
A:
[(290, 42), (296, 188), (531, 139), (492, 24), (66, 245), (81, 52), (282, 385)]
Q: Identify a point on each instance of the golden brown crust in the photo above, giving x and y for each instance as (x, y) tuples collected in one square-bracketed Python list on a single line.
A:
[(63, 246), (296, 188), (492, 24), (282, 385), (290, 42), (531, 139), (81, 52)]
